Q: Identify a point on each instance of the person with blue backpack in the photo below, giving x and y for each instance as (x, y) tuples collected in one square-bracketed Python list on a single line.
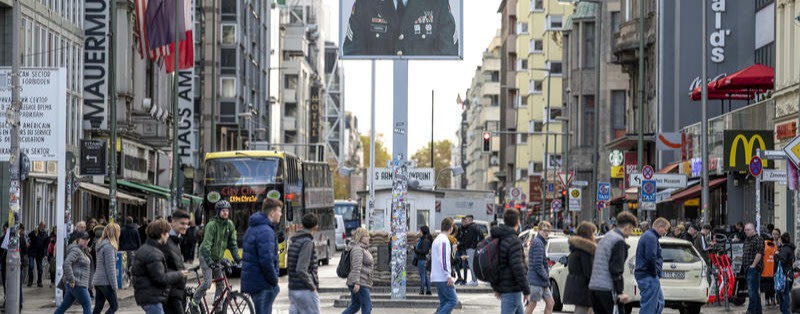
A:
[(421, 251), (784, 260)]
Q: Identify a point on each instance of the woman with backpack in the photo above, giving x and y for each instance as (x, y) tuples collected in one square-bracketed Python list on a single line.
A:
[(579, 265), (785, 258), (421, 251), (360, 279)]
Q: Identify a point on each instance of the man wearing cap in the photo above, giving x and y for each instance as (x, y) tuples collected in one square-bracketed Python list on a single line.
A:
[(220, 234), (401, 28)]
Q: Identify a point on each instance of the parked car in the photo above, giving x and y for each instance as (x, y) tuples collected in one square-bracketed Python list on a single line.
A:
[(341, 235), (683, 280), (556, 245)]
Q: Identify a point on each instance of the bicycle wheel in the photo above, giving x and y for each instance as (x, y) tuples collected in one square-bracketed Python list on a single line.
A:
[(238, 303), (189, 309)]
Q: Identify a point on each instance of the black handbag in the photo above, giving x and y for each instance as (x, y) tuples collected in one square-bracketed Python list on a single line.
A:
[(61, 284)]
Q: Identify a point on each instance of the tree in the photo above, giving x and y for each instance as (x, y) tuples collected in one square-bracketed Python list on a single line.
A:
[(441, 160), (381, 153), (341, 187)]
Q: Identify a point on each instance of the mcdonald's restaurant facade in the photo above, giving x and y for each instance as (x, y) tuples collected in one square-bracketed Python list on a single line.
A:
[(733, 139)]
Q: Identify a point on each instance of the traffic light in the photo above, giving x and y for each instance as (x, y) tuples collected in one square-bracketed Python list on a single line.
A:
[(563, 196), (487, 138)]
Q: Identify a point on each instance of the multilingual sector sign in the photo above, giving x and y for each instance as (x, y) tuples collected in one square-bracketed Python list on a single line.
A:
[(43, 114)]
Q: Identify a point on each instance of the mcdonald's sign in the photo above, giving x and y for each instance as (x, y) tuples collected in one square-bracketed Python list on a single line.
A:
[(740, 146)]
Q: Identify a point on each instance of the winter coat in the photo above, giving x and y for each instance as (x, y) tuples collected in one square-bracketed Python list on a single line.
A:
[(609, 263), (469, 237), (648, 256), (219, 235), (129, 239), (259, 255), (579, 266), (172, 254), (513, 273), (785, 257), (39, 241), (106, 272), (538, 269), (151, 280), (301, 262), (189, 243), (361, 265), (77, 266), (424, 248)]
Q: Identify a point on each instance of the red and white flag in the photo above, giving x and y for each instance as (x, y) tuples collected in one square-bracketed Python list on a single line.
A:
[(145, 50), (186, 44)]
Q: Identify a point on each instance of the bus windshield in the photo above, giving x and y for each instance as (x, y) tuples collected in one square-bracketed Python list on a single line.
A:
[(346, 211), (245, 170)]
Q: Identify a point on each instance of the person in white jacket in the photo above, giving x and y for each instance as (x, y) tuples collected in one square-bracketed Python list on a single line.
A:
[(441, 270)]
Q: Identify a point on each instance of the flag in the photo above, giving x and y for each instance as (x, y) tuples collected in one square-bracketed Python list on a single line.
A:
[(186, 45), (145, 50), (160, 19)]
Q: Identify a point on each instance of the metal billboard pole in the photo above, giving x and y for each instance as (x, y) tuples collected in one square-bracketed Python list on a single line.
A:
[(13, 271), (176, 192), (704, 119)]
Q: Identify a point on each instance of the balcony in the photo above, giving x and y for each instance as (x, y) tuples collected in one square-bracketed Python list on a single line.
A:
[(626, 41)]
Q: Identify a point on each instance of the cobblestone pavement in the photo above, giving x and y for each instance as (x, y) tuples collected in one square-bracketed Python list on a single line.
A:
[(40, 300)]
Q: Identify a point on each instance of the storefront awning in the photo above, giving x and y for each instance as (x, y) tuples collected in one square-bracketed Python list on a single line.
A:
[(694, 191), (670, 168), (103, 192), (159, 191)]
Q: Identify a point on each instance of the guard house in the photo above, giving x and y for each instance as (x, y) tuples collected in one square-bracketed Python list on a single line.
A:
[(421, 208)]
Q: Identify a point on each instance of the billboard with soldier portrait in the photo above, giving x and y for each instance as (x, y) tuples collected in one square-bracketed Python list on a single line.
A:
[(401, 29)]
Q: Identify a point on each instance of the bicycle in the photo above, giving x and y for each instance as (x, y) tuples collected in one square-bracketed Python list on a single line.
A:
[(229, 300)]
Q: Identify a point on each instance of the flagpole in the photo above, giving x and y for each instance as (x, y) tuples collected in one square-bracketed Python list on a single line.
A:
[(176, 193), (112, 94)]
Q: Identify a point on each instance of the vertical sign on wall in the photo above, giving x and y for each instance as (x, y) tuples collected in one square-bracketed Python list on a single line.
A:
[(95, 63), (187, 141), (313, 115)]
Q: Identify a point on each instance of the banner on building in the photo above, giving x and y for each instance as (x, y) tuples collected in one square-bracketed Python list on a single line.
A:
[(740, 145), (95, 63), (313, 116), (535, 188), (187, 141)]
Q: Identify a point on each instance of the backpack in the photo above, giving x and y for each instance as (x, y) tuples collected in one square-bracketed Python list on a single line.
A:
[(780, 278), (343, 269), (487, 260)]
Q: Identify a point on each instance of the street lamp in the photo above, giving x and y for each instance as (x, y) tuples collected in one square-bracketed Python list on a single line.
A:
[(546, 136), (456, 170)]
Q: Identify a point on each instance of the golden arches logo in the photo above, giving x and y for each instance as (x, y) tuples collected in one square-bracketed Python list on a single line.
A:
[(748, 148)]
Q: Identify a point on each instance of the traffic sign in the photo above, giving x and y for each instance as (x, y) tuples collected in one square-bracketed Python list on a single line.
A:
[(515, 193), (565, 177), (93, 158), (647, 172), (663, 181), (793, 151), (756, 166), (603, 191), (775, 175), (555, 205), (649, 191), (550, 188), (580, 183), (575, 199)]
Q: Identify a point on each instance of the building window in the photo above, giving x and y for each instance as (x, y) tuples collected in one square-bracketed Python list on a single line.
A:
[(588, 45), (537, 5), (423, 217), (555, 68), (615, 22), (228, 87), (587, 134), (522, 64), (535, 126), (536, 46), (554, 113), (522, 28), (522, 138), (618, 109), (535, 87), (553, 161), (227, 112), (534, 167), (766, 55), (512, 60), (494, 100), (492, 76), (228, 58), (521, 101), (554, 23), (522, 174), (512, 20), (290, 81), (228, 7), (228, 34)]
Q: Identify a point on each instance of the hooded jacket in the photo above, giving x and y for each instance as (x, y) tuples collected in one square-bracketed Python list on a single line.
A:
[(151, 279), (579, 266), (220, 234), (76, 266), (538, 270), (172, 254), (129, 239), (106, 272), (424, 243), (361, 265), (513, 272), (259, 255)]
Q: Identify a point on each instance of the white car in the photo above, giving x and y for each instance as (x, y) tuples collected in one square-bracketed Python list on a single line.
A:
[(683, 279), (340, 235), (556, 245)]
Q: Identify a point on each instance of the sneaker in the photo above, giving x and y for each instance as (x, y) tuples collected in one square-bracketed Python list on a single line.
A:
[(428, 292), (30, 284), (39, 285), (422, 293), (473, 284)]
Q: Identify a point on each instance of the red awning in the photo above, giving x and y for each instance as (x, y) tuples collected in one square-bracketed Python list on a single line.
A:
[(669, 168), (756, 76), (694, 191), (724, 95)]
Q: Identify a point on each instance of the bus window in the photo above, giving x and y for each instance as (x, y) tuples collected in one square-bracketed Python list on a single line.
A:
[(242, 171)]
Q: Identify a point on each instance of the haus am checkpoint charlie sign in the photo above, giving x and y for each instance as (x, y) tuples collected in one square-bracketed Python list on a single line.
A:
[(43, 96)]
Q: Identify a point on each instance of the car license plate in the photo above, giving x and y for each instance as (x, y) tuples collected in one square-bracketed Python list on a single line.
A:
[(673, 275)]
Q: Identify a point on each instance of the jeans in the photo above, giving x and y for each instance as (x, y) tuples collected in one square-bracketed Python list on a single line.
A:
[(208, 276), (156, 308), (79, 294), (511, 303), (359, 300), (103, 293), (303, 301), (783, 297), (470, 257), (263, 299), (38, 261), (424, 277), (447, 297), (652, 297), (753, 284)]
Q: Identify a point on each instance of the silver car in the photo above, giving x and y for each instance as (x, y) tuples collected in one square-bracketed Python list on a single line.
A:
[(340, 235)]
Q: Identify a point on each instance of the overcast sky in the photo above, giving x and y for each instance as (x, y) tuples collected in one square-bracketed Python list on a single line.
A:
[(446, 78)]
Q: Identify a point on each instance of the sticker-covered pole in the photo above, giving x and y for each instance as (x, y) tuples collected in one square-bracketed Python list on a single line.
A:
[(400, 181), (13, 271)]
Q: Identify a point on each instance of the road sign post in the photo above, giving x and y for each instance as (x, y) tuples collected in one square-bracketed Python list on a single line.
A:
[(93, 158), (556, 205), (756, 167), (575, 199), (649, 194), (603, 191)]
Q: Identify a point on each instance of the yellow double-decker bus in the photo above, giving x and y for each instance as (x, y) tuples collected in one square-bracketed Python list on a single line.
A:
[(246, 178)]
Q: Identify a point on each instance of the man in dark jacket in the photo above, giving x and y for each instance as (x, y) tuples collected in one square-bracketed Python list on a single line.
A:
[(129, 240), (472, 236), (609, 264), (39, 240), (301, 263), (648, 267), (151, 279), (703, 243), (538, 270), (260, 256), (142, 230), (511, 280), (172, 252), (752, 264)]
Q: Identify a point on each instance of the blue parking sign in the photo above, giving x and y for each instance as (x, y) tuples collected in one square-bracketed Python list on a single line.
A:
[(649, 191), (603, 191)]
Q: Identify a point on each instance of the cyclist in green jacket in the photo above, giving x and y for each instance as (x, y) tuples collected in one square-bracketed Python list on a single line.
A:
[(220, 234)]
